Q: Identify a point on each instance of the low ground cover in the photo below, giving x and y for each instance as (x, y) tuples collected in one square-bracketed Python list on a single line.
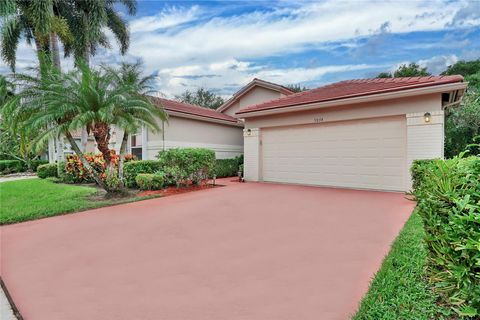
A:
[(399, 289)]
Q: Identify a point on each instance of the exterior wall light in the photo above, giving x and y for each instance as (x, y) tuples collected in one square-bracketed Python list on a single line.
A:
[(427, 117), (249, 132)]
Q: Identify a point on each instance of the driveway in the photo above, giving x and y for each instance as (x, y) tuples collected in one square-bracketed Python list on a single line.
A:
[(244, 251)]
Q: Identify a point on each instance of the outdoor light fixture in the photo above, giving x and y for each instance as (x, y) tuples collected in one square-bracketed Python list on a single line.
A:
[(249, 132), (427, 117)]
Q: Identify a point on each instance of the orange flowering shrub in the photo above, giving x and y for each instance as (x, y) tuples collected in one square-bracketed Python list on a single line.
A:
[(76, 172)]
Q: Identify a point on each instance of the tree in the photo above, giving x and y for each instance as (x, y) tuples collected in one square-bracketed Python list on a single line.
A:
[(406, 70), (296, 88), (88, 20), (462, 123), (384, 75), (81, 98), (201, 97), (464, 68), (130, 75)]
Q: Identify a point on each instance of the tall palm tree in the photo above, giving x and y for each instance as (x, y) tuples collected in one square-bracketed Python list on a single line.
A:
[(34, 21), (87, 20), (130, 75)]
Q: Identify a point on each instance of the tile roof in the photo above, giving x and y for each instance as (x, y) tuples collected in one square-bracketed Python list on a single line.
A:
[(352, 88), (181, 107)]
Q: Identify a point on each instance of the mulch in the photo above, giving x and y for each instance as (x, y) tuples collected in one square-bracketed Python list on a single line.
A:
[(170, 191)]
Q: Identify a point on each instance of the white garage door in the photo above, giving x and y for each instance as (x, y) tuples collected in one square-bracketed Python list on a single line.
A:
[(366, 154)]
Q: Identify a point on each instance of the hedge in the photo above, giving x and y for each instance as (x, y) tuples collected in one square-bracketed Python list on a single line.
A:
[(11, 166), (227, 167), (133, 168), (448, 196), (150, 181), (47, 170), (185, 165), (35, 163)]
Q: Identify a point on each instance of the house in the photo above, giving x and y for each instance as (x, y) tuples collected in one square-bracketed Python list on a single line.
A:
[(195, 126), (361, 134)]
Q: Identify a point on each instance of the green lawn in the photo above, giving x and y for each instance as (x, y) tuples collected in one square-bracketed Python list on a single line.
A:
[(30, 199), (399, 291)]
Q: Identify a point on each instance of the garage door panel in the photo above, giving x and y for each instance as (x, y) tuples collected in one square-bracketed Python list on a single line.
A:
[(356, 154)]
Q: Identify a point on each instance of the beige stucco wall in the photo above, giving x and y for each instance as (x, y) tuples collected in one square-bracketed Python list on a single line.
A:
[(384, 108), (424, 140), (225, 140), (252, 97)]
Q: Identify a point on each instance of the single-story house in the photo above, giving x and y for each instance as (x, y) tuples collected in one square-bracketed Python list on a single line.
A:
[(361, 134), (193, 126)]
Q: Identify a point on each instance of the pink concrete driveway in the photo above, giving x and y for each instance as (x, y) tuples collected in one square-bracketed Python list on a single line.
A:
[(245, 251)]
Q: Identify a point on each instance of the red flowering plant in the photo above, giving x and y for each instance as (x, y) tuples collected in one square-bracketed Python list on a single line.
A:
[(76, 172)]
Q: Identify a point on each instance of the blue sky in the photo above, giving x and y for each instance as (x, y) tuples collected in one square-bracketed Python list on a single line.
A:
[(223, 45)]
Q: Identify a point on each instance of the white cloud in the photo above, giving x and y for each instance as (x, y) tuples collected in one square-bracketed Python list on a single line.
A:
[(438, 64), (188, 46), (166, 18)]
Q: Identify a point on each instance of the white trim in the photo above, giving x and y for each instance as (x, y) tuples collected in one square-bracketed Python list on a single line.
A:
[(144, 143), (354, 100)]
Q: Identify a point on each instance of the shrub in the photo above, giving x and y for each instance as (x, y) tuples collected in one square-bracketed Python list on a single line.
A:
[(418, 171), (75, 172), (47, 170), (227, 167), (133, 168), (184, 165), (448, 196), (35, 163), (150, 181), (11, 166)]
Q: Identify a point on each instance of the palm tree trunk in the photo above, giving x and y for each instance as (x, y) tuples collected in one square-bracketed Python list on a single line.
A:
[(123, 150), (85, 163)]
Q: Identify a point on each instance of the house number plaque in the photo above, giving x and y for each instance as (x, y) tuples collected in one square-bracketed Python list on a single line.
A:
[(318, 119)]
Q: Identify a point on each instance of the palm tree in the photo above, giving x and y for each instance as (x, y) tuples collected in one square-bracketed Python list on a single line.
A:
[(83, 98), (87, 20), (36, 22), (130, 75)]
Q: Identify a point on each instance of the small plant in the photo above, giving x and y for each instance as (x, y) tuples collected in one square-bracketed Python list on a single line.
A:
[(227, 167), (47, 170), (134, 168), (35, 163), (188, 165), (150, 181)]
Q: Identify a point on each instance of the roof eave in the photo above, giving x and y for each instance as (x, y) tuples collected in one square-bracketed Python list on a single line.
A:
[(203, 118), (247, 87), (354, 100)]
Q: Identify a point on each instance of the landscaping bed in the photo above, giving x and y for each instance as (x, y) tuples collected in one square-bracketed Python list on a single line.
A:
[(174, 190)]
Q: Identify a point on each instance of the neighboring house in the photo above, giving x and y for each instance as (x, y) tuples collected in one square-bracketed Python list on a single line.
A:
[(190, 126), (194, 126), (256, 91), (361, 134)]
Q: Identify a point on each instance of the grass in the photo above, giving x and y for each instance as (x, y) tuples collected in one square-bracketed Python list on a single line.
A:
[(30, 199), (399, 290)]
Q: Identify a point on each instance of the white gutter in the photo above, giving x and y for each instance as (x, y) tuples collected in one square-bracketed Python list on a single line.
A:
[(354, 100)]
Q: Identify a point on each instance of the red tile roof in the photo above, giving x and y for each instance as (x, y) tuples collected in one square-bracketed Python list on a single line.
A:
[(352, 88), (181, 107)]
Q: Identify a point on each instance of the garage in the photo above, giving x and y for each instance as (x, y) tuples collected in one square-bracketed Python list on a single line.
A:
[(368, 154), (359, 134)]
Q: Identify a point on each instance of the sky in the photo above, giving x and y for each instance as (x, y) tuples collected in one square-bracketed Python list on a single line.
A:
[(222, 46)]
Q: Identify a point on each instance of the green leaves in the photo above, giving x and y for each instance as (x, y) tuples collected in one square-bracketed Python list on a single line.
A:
[(448, 195)]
